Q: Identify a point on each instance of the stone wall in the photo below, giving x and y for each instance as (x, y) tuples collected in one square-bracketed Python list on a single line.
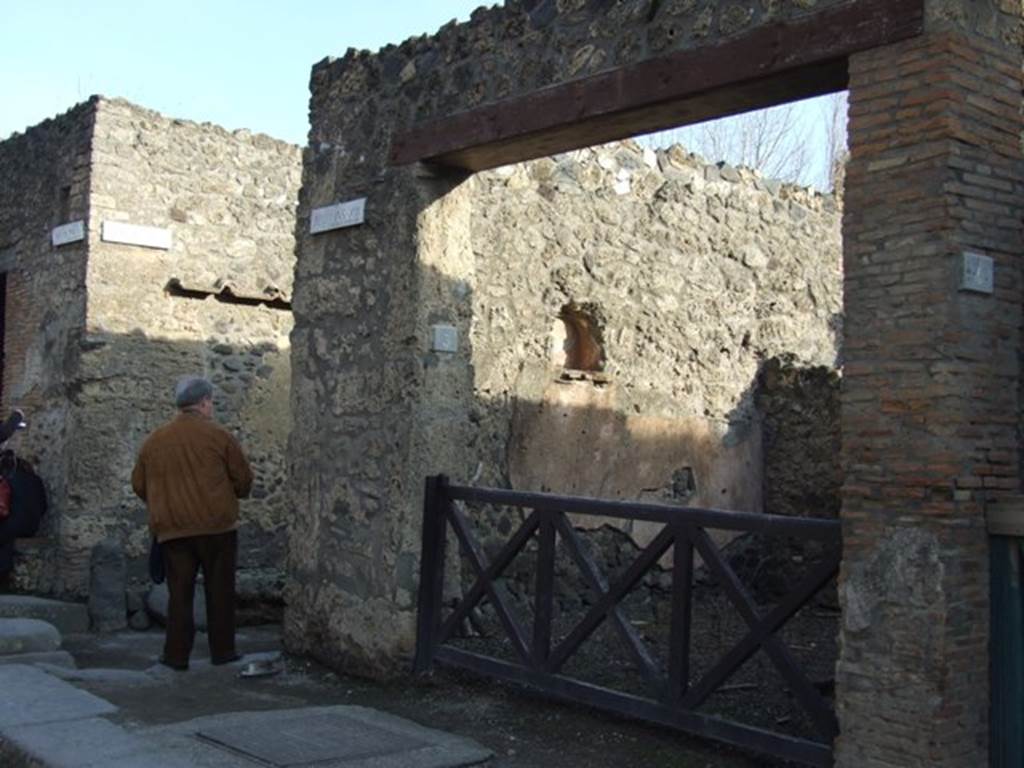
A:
[(97, 331), (931, 380), (930, 385), (505, 51), (228, 200), (388, 409), (799, 408), (694, 273), (45, 174)]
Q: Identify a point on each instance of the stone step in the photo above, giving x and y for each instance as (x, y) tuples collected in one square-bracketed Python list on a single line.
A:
[(47, 660), (48, 722), (68, 618), (32, 696), (19, 636)]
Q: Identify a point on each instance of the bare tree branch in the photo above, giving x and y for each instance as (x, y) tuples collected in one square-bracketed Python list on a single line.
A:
[(835, 116), (781, 142)]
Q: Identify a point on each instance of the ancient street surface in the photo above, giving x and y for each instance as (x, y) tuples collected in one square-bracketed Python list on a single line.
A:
[(108, 704)]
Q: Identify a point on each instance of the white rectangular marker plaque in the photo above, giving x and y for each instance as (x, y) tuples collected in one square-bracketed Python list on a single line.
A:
[(136, 234), (71, 232), (977, 273), (338, 216), (445, 338)]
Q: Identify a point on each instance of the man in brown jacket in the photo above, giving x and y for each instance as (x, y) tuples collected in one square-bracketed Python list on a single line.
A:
[(191, 473)]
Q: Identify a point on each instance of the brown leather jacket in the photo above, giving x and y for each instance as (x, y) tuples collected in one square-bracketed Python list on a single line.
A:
[(191, 473)]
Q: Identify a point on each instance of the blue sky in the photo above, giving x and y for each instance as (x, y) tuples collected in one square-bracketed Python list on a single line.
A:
[(240, 65)]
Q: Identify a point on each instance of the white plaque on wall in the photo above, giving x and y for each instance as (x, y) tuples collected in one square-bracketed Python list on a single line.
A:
[(337, 216), (444, 338), (977, 272), (136, 234), (71, 232)]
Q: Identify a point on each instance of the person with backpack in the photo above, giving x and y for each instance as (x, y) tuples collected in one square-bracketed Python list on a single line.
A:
[(22, 498)]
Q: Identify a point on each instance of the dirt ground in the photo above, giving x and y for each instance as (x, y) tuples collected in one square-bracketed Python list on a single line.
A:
[(756, 694), (523, 729)]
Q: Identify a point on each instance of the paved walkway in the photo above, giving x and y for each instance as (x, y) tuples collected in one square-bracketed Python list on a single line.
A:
[(108, 704)]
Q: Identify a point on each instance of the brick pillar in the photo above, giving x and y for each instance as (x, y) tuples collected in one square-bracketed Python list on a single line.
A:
[(930, 391)]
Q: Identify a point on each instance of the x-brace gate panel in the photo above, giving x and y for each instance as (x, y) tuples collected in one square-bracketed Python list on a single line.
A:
[(672, 699)]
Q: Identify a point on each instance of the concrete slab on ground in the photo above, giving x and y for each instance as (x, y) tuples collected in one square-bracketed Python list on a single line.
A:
[(88, 743), (68, 618), (523, 729), (27, 636), (51, 722), (329, 737), (30, 696)]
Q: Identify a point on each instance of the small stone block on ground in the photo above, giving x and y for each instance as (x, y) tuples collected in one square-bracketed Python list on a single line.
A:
[(18, 636), (68, 618)]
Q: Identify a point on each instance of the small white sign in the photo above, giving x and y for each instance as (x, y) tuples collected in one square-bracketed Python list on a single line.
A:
[(445, 338), (977, 273), (71, 232), (136, 234), (337, 216)]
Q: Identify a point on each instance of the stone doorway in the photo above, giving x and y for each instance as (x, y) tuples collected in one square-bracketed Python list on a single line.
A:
[(931, 362)]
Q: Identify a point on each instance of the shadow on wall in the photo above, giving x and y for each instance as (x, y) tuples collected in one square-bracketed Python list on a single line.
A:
[(384, 405), (125, 390), (783, 459)]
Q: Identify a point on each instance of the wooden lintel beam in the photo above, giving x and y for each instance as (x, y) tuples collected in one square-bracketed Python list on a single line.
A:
[(770, 65)]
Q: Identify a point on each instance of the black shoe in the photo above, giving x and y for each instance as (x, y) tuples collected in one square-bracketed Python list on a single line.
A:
[(221, 660), (174, 665)]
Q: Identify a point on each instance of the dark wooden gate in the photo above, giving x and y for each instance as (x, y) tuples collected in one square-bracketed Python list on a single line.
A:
[(672, 697)]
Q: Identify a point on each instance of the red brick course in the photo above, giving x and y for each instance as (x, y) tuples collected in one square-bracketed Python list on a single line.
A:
[(930, 391)]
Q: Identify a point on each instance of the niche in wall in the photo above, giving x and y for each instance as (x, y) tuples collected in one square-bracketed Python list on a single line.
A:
[(577, 342)]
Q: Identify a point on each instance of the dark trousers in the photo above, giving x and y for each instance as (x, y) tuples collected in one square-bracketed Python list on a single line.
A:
[(216, 555)]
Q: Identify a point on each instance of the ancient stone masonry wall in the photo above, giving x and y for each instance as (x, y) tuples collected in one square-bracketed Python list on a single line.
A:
[(799, 410), (379, 408), (45, 183), (693, 273), (516, 48), (228, 202)]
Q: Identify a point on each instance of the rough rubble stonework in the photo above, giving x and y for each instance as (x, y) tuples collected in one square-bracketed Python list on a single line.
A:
[(926, 437), (45, 176), (228, 199), (388, 410), (799, 408), (698, 272)]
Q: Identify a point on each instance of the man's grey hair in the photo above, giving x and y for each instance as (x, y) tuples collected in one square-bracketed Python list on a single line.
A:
[(191, 390)]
